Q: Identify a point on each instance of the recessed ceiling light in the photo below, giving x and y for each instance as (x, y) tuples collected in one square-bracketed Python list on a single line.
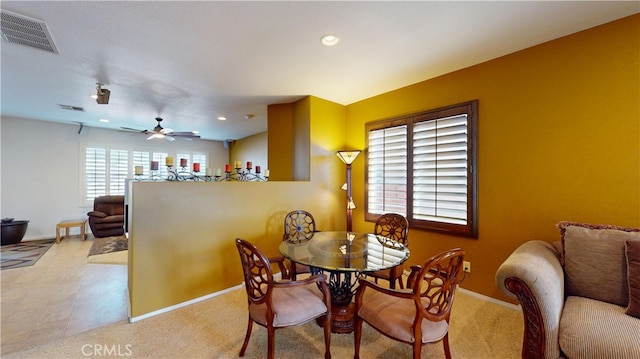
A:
[(330, 40), (195, 132), (94, 96), (104, 120), (222, 118)]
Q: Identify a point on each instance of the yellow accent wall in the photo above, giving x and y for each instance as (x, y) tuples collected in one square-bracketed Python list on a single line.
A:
[(559, 139)]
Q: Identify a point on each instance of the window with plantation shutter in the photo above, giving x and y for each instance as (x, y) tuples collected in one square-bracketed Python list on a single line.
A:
[(105, 170), (423, 166)]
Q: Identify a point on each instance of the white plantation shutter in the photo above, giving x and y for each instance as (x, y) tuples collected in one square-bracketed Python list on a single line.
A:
[(162, 168), (118, 171), (440, 170), (141, 158), (387, 170), (202, 160), (180, 156), (95, 172)]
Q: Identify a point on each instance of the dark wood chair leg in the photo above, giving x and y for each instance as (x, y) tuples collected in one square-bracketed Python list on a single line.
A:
[(246, 337), (445, 343), (327, 336), (271, 341), (417, 348), (357, 336)]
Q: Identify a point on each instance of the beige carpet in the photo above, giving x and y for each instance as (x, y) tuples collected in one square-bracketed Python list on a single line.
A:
[(215, 328)]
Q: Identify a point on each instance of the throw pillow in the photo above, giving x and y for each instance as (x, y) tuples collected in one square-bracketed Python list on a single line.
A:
[(633, 277), (594, 260)]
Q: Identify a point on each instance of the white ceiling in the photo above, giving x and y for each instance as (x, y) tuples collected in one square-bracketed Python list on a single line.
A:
[(190, 62)]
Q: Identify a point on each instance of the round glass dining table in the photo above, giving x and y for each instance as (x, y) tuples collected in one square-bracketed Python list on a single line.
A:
[(345, 256)]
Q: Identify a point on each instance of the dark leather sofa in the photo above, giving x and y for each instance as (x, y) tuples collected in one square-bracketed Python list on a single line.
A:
[(107, 217)]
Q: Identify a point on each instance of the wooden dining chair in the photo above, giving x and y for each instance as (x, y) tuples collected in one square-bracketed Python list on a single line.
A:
[(417, 315), (276, 305), (299, 225), (396, 227)]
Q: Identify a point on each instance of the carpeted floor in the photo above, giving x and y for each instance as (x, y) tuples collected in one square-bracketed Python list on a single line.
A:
[(108, 245), (25, 253), (216, 327)]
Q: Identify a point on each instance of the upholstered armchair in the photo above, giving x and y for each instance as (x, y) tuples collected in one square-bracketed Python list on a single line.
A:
[(107, 217), (580, 297)]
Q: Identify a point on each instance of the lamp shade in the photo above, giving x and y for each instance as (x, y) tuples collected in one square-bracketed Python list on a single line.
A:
[(348, 156), (351, 204)]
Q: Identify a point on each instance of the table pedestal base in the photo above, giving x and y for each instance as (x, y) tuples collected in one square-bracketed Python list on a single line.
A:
[(342, 318)]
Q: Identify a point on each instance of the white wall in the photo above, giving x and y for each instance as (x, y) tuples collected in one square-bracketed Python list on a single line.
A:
[(40, 168)]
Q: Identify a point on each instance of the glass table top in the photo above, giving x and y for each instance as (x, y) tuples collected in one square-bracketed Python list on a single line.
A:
[(345, 251)]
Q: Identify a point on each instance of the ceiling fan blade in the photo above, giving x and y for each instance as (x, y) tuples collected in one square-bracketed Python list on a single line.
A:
[(169, 138), (133, 129), (185, 134), (166, 131)]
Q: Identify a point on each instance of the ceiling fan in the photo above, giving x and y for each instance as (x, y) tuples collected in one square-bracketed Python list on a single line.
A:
[(162, 133)]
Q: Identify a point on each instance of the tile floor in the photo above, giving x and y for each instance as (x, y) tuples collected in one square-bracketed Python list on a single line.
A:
[(61, 295)]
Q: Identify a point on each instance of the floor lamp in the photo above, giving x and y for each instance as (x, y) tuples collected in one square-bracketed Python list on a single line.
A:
[(348, 157)]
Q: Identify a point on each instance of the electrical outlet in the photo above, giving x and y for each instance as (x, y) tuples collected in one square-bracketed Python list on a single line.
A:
[(466, 266)]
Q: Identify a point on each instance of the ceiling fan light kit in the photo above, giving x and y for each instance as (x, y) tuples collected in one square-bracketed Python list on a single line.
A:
[(162, 133)]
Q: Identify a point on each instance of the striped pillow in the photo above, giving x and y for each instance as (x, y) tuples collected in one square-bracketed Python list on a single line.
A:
[(633, 277)]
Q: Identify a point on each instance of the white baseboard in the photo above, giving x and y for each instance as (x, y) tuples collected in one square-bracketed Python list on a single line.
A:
[(277, 276), (489, 299), (180, 305)]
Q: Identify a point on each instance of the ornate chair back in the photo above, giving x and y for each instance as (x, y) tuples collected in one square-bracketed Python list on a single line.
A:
[(299, 225), (396, 227)]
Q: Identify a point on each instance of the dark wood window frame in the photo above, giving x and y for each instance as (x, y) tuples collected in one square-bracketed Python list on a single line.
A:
[(415, 180)]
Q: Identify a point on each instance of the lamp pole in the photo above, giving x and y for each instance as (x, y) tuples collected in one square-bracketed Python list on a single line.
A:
[(349, 199), (348, 157)]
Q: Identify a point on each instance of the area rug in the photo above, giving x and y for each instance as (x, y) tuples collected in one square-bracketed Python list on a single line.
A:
[(25, 253), (108, 245), (120, 257)]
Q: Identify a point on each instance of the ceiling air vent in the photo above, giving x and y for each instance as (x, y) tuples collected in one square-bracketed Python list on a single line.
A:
[(23, 30), (71, 108)]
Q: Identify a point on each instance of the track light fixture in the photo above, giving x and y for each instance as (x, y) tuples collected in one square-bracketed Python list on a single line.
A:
[(102, 96)]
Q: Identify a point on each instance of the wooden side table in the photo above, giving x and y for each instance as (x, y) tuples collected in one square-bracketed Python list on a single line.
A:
[(69, 223)]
